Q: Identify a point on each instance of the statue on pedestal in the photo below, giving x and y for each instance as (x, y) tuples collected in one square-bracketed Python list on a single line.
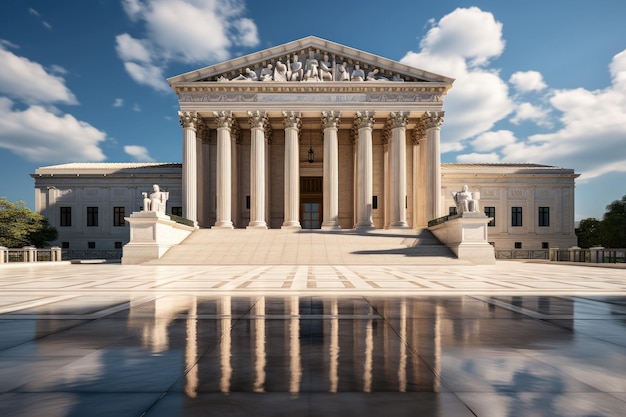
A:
[(158, 199), (466, 202)]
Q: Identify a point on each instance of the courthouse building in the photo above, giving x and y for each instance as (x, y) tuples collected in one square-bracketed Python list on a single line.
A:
[(310, 134)]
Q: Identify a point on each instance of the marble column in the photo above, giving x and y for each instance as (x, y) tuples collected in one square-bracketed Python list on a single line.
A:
[(330, 123), (433, 128), (258, 120), (364, 122), (398, 122), (293, 122), (224, 121), (188, 121)]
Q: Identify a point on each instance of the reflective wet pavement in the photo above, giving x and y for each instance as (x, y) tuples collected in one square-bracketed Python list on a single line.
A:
[(159, 354)]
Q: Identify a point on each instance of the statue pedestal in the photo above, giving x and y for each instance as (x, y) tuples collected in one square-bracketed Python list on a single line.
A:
[(466, 236), (151, 235)]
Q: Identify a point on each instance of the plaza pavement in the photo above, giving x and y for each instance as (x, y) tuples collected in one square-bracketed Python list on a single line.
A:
[(396, 334)]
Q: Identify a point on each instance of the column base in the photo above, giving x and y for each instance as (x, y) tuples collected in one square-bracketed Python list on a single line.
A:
[(223, 225), (332, 225), (365, 226), (257, 225), (291, 225), (399, 225)]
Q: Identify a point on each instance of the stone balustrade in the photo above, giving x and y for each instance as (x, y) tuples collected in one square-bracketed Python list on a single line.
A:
[(29, 254)]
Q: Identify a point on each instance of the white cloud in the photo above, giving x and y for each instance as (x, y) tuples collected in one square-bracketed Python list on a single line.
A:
[(531, 112), (147, 74), (119, 102), (8, 44), (479, 158), (460, 45), (525, 81), (210, 29), (137, 107), (131, 49), (490, 141), (29, 81), (139, 153), (41, 136)]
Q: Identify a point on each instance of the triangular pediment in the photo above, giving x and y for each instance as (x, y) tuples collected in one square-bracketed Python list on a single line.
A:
[(310, 59)]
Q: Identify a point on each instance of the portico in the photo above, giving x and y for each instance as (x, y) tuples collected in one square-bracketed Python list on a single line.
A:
[(247, 140)]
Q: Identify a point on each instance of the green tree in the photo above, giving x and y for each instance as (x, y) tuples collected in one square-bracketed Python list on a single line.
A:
[(20, 226), (589, 233), (613, 224)]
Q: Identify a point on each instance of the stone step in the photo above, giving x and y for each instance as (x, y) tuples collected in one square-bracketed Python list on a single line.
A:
[(309, 247)]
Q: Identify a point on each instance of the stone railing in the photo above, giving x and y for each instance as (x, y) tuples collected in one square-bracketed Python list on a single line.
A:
[(29, 254), (523, 254), (597, 255)]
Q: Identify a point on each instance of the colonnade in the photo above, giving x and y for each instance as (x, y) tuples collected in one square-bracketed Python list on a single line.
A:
[(395, 127)]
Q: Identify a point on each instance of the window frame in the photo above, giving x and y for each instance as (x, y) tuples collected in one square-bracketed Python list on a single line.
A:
[(517, 216)]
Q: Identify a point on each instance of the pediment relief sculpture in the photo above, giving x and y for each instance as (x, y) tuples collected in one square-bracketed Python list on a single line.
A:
[(311, 66)]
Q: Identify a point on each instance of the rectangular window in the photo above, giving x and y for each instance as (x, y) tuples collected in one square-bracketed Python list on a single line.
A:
[(491, 212), (516, 216), (545, 245), (374, 202), (518, 245), (66, 217), (544, 216), (65, 245), (118, 216), (91, 245), (118, 245), (451, 210), (247, 202), (177, 211), (92, 216)]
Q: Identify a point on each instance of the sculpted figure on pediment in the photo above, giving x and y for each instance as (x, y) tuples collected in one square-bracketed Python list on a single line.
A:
[(326, 70), (294, 71), (357, 74), (344, 75), (267, 73), (280, 72), (250, 76), (312, 68)]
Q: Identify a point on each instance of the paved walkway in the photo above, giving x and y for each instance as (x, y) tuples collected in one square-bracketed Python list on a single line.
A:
[(30, 283)]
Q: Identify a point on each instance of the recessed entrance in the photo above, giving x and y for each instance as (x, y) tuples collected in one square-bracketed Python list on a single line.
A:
[(311, 199)]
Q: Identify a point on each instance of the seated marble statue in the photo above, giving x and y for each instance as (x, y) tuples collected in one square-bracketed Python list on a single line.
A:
[(343, 72), (312, 65), (267, 73), (358, 74), (158, 199), (280, 72), (326, 72), (294, 69), (465, 201)]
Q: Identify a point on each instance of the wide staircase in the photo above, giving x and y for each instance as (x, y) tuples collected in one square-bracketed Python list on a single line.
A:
[(309, 247)]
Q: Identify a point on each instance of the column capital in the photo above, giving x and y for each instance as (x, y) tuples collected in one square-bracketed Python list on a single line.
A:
[(331, 119), (188, 119), (398, 119), (419, 132), (224, 119), (257, 119), (292, 119), (364, 119), (433, 119)]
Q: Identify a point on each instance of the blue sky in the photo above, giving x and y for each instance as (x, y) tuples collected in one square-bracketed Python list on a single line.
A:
[(536, 81)]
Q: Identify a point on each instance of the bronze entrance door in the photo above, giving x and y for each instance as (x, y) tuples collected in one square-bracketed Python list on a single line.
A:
[(311, 200)]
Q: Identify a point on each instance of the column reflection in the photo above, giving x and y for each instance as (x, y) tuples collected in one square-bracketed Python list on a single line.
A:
[(259, 310), (334, 347), (191, 350), (225, 343), (369, 351), (295, 366)]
